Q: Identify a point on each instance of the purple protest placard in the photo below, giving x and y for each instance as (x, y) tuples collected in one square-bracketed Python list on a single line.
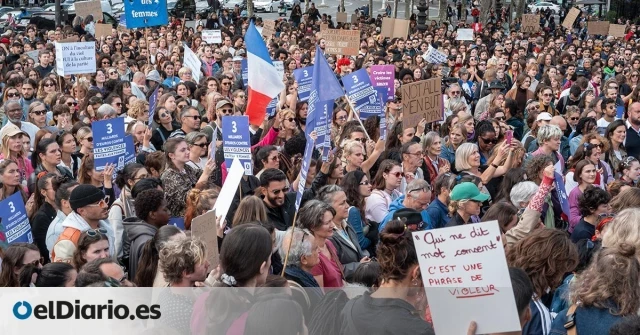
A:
[(383, 76)]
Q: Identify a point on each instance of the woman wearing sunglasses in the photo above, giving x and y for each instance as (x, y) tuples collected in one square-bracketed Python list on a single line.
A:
[(15, 257), (198, 150)]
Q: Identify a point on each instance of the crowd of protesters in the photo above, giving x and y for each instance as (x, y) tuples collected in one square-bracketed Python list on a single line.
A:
[(520, 111)]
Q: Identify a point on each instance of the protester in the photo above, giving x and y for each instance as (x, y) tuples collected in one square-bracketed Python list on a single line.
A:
[(57, 275), (92, 244), (15, 257)]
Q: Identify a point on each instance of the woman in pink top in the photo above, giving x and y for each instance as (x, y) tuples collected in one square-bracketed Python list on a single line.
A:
[(317, 217), (12, 149)]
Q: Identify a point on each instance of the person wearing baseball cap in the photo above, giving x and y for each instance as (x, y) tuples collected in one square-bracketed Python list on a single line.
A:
[(411, 218), (466, 201), (224, 107), (90, 211)]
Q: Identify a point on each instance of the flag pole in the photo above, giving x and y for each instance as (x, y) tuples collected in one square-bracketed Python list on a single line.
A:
[(357, 116), (286, 257)]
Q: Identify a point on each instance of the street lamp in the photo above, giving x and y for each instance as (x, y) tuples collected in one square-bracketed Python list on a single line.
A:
[(422, 15)]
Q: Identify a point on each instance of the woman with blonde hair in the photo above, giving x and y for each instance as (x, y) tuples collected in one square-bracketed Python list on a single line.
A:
[(289, 126), (468, 159), (138, 111), (457, 136), (11, 137), (353, 155), (198, 203)]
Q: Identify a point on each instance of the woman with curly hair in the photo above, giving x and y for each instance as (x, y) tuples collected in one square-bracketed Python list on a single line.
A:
[(198, 203), (546, 255), (593, 203), (603, 294)]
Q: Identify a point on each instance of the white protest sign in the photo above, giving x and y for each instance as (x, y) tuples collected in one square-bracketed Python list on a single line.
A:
[(229, 188), (434, 56), (464, 35), (212, 36), (279, 65), (192, 61), (75, 58), (33, 55), (464, 270)]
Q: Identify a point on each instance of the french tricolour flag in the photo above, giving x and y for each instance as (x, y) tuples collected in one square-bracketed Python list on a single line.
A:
[(265, 83)]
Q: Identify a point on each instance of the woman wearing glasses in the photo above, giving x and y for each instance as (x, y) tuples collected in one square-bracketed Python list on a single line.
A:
[(92, 245), (357, 188), (37, 115), (103, 180), (268, 157), (166, 125), (15, 257), (289, 126), (466, 201), (198, 150), (385, 184), (340, 117)]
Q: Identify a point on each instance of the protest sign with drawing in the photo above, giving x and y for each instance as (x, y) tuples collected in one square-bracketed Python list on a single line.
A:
[(571, 18), (342, 42), (422, 99), (464, 269), (530, 23), (75, 58)]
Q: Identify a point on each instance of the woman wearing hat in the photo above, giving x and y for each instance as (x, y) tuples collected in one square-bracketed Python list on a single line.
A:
[(11, 137), (466, 200)]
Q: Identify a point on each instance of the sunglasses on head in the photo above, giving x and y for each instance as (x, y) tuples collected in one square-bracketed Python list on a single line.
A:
[(95, 232)]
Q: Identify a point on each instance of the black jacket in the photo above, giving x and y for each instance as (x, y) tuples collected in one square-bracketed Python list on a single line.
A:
[(282, 217), (39, 226), (137, 233), (349, 256)]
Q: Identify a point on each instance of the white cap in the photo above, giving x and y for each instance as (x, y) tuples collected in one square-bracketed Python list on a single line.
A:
[(544, 116)]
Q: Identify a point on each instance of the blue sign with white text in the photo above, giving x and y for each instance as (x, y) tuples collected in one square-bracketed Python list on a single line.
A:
[(304, 78), (15, 220), (108, 143), (306, 160), (271, 107), (145, 13), (361, 93), (236, 141), (562, 193)]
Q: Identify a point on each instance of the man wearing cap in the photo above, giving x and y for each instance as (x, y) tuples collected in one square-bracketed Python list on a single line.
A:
[(416, 197), (16, 51), (495, 87), (411, 218), (223, 108), (13, 112), (90, 211), (467, 200)]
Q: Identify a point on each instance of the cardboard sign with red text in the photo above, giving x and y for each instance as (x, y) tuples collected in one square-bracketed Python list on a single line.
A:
[(464, 270)]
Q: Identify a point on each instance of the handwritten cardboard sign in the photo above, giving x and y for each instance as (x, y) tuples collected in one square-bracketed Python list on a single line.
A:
[(422, 99), (268, 28), (598, 27), (465, 270), (617, 30), (394, 27), (571, 18), (204, 227), (530, 23), (341, 42), (102, 30), (89, 7), (341, 17)]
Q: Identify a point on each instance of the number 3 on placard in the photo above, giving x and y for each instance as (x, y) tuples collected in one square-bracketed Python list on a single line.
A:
[(234, 127), (355, 79), (12, 208), (109, 128), (306, 73)]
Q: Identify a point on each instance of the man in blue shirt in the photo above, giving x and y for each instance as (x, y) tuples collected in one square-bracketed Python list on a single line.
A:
[(417, 197)]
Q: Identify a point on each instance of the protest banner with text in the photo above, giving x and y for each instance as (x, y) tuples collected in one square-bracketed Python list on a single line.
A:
[(342, 42), (422, 99), (530, 23), (464, 269), (145, 13), (75, 58)]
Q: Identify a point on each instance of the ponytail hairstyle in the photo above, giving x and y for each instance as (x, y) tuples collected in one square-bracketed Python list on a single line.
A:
[(199, 202), (38, 198), (396, 252), (243, 252), (128, 173), (150, 255)]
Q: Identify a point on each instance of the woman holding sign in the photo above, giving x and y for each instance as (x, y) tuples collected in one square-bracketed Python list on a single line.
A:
[(179, 177)]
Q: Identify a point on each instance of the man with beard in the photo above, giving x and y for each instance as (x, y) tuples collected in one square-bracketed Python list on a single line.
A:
[(454, 98), (632, 141), (190, 120), (13, 113), (279, 201), (29, 87)]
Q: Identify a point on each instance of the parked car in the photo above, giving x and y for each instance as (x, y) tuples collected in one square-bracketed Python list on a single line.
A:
[(231, 4), (542, 6), (265, 5), (182, 8)]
